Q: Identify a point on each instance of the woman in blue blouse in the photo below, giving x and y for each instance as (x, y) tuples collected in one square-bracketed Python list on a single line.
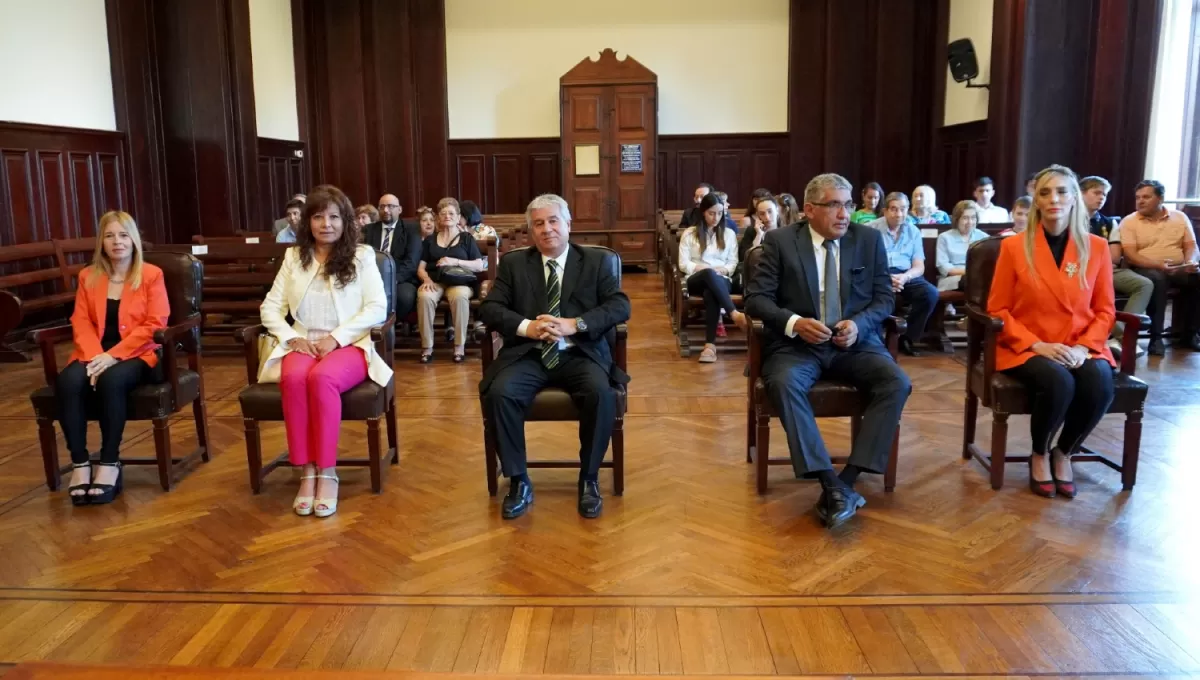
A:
[(952, 245), (924, 207)]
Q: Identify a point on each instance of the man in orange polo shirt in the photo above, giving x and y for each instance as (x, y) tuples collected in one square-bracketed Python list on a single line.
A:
[(1159, 244)]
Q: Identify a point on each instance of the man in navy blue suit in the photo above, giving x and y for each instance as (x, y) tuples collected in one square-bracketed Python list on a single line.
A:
[(822, 289)]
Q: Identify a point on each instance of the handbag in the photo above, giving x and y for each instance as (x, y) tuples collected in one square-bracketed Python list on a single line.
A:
[(266, 344), (455, 275)]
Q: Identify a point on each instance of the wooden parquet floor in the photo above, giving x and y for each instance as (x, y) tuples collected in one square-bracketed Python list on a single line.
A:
[(690, 572)]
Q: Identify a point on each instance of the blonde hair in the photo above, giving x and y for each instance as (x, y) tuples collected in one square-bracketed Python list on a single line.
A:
[(1077, 220), (101, 264)]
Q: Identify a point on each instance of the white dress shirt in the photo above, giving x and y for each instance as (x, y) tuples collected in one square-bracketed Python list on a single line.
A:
[(562, 270), (819, 255), (993, 214)]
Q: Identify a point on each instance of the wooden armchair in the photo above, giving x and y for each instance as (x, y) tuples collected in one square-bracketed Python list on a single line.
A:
[(829, 399), (366, 401), (1006, 396), (182, 276), (553, 404)]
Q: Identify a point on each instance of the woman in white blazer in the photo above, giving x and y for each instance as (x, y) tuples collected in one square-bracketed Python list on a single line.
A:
[(332, 289)]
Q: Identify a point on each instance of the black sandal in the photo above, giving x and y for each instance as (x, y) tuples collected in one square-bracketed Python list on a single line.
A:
[(108, 492), (84, 498), (426, 358)]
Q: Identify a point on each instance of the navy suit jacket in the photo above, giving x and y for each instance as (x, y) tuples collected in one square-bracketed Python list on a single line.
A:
[(785, 283)]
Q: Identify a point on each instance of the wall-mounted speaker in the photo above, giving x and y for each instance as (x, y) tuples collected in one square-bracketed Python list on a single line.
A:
[(963, 66)]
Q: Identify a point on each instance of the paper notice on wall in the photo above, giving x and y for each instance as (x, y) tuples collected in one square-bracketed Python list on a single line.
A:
[(199, 250), (252, 239), (929, 233)]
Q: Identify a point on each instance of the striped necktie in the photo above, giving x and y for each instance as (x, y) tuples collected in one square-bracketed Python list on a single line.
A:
[(554, 295), (386, 246)]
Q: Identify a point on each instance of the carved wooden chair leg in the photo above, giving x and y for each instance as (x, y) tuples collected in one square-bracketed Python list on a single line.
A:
[(254, 453), (999, 448), (970, 415), (1131, 449), (49, 442)]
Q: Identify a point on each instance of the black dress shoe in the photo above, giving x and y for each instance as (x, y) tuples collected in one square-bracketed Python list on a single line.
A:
[(906, 346), (590, 503), (1156, 347), (1191, 342), (518, 500), (823, 510), (840, 505)]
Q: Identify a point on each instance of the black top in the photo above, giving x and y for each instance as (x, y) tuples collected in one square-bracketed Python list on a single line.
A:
[(463, 247), (1058, 245), (112, 325), (1101, 225)]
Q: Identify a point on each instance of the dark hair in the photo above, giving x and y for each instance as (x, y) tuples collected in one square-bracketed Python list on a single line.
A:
[(880, 204), (294, 203), (710, 199), (984, 181), (1159, 189), (1092, 181), (471, 213), (789, 209), (706, 185), (340, 265), (755, 198)]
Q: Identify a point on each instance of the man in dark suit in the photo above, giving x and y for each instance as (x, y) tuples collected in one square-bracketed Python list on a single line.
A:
[(554, 304), (822, 290), (692, 217), (403, 242)]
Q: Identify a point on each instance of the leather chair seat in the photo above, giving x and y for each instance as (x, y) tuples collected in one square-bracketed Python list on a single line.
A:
[(1009, 395), (828, 398), (553, 404), (263, 401), (145, 402)]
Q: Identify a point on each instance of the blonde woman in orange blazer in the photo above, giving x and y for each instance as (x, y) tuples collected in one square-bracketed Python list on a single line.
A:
[(1053, 289), (119, 304)]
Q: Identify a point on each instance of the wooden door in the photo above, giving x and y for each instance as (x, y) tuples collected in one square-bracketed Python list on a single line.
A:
[(586, 142), (632, 201)]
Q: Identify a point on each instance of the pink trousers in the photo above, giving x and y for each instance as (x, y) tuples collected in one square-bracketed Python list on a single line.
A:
[(312, 402)]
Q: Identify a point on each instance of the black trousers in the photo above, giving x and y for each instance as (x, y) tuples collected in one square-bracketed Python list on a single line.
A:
[(921, 297), (1073, 399), (790, 373), (406, 299), (76, 399), (508, 397), (715, 289), (1187, 305)]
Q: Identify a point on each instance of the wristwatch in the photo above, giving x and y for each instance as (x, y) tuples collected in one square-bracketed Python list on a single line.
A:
[(580, 324)]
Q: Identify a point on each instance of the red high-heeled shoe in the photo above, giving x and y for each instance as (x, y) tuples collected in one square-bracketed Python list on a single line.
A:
[(1045, 489), (1064, 488)]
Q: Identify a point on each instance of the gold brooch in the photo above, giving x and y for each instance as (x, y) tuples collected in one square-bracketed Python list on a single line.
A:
[(1071, 269)]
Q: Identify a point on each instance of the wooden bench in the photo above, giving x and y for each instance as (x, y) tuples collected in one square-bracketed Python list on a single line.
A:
[(251, 237), (37, 276)]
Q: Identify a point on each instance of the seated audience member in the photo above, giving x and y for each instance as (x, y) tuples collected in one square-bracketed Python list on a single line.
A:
[(282, 222), (472, 221), (1053, 289), (331, 287), (119, 303), (989, 213), (295, 208), (747, 221), (426, 221), (691, 216), (766, 219), (924, 208), (789, 210), (1127, 282), (727, 214), (1020, 216), (364, 215), (1029, 184), (708, 256), (403, 242), (872, 204), (449, 260), (906, 264), (834, 338), (552, 340), (1160, 245), (952, 245)]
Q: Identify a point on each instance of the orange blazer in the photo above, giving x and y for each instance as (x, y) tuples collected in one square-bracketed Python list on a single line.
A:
[(143, 311), (1052, 307)]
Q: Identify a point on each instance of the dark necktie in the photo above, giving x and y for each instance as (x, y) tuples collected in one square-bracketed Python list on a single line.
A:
[(554, 295), (833, 297), (386, 246)]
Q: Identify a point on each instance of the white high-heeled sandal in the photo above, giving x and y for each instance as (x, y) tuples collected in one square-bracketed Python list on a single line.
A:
[(303, 505), (329, 504)]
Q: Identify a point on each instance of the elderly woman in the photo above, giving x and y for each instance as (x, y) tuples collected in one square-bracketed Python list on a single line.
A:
[(924, 207), (1053, 289), (119, 304), (426, 221), (450, 258), (364, 215), (952, 245), (331, 287)]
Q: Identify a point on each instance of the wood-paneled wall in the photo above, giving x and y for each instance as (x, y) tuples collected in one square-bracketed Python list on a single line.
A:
[(56, 182), (960, 154), (282, 173), (503, 175), (736, 164)]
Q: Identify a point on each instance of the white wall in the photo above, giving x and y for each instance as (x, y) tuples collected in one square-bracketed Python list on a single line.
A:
[(274, 69), (970, 19), (1163, 156), (54, 67), (504, 59)]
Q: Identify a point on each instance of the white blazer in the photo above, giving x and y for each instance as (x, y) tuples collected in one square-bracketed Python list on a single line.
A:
[(360, 305)]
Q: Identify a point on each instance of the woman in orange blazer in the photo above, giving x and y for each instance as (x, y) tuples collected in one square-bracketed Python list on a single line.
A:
[(119, 304), (1053, 289)]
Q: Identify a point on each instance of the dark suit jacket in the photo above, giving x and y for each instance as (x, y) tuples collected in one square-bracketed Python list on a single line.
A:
[(785, 283), (591, 290), (406, 248)]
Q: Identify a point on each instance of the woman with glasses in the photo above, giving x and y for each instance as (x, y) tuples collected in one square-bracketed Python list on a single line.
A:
[(952, 245), (449, 260)]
